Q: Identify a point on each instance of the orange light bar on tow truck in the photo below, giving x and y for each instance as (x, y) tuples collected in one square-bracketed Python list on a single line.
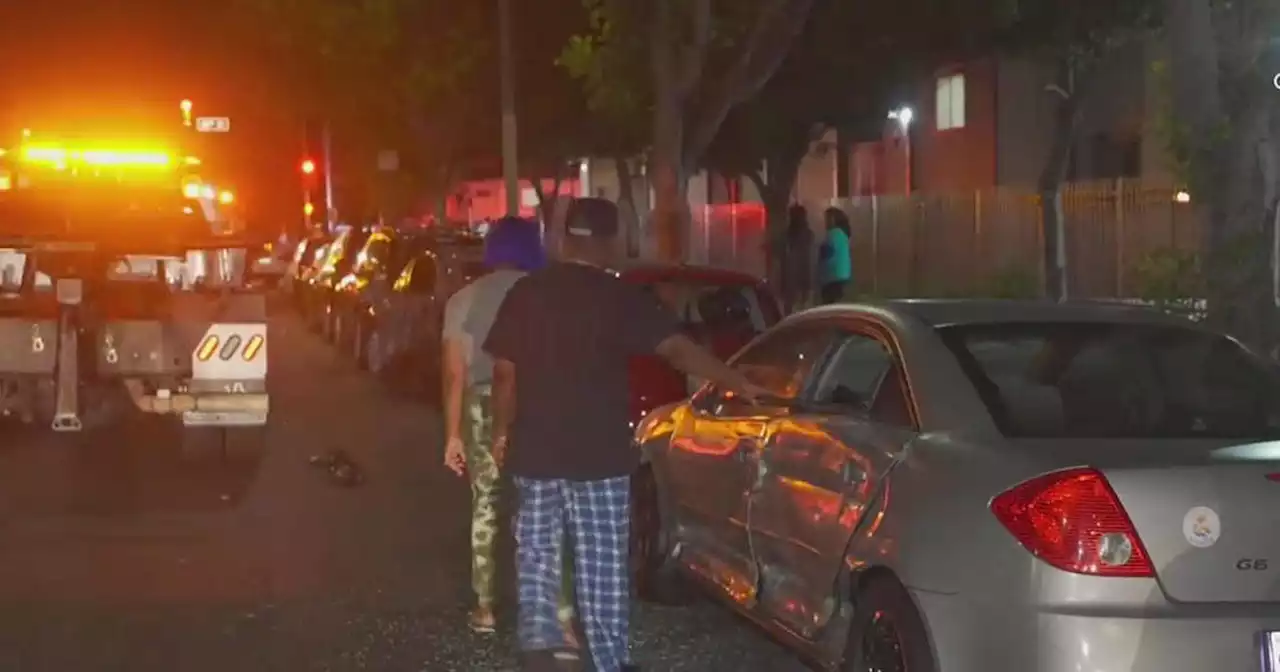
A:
[(62, 157)]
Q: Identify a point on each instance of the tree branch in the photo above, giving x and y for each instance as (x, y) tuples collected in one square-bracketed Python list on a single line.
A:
[(757, 179), (660, 49), (771, 38), (695, 51)]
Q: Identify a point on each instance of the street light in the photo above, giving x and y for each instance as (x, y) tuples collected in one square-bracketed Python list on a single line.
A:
[(904, 115)]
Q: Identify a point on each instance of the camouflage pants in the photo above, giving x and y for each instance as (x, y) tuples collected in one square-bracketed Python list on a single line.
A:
[(477, 432)]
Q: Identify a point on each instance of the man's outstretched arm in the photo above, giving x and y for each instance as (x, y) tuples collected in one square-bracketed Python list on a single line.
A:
[(690, 358)]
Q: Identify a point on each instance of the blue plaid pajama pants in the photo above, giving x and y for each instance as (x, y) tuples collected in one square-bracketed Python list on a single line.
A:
[(597, 515)]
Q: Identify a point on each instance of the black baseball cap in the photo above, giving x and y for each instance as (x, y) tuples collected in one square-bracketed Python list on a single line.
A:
[(592, 218)]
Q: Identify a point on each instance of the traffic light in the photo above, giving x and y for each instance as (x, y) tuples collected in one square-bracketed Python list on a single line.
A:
[(308, 167), (308, 209)]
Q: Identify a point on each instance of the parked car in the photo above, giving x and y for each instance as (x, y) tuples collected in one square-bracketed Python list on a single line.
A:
[(376, 267), (721, 309), (306, 255), (980, 485), (398, 333), (337, 261), (269, 265)]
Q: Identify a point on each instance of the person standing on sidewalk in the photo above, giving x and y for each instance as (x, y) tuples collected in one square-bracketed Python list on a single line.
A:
[(836, 257), (513, 248), (797, 260), (561, 343)]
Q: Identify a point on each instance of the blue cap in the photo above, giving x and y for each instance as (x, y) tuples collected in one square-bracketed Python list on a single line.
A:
[(514, 241)]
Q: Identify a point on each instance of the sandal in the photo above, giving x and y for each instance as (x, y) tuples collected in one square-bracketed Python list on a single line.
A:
[(482, 620)]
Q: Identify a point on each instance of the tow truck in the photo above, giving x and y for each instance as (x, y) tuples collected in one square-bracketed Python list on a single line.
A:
[(121, 292)]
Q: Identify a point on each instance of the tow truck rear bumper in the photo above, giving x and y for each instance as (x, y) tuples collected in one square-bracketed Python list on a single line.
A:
[(203, 410)]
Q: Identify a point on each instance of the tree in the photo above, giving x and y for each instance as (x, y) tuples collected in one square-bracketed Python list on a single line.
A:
[(1222, 64), (852, 63), (395, 74), (557, 126), (689, 63), (1074, 39)]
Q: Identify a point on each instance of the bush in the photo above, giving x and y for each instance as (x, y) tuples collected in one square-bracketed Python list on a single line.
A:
[(1012, 282), (1171, 280)]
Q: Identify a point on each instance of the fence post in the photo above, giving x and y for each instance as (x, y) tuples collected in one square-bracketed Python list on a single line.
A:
[(875, 244), (733, 236), (706, 234), (1119, 233), (1041, 262), (977, 266), (916, 215)]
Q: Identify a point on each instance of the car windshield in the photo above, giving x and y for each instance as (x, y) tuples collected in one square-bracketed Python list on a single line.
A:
[(1108, 380)]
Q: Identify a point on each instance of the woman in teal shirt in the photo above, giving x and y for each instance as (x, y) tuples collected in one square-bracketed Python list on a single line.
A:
[(835, 259)]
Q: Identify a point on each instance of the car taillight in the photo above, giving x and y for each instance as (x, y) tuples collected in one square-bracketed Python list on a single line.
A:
[(1073, 520)]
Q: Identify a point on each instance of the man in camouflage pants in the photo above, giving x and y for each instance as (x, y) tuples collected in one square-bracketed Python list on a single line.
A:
[(512, 248)]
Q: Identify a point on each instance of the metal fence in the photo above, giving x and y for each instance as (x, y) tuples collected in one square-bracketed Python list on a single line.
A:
[(961, 243), (730, 235)]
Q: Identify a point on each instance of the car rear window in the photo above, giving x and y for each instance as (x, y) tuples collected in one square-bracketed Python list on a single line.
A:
[(713, 306), (1109, 380)]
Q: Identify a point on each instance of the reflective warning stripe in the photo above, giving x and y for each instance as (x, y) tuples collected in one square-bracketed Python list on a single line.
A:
[(207, 347), (252, 348), (229, 349)]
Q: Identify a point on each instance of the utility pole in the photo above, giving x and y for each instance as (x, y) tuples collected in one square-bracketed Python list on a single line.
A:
[(510, 167), (330, 214)]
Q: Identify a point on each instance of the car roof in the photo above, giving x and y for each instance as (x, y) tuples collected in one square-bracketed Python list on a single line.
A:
[(642, 272), (946, 312)]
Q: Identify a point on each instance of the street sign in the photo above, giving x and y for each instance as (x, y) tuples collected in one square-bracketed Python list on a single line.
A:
[(213, 124), (388, 161)]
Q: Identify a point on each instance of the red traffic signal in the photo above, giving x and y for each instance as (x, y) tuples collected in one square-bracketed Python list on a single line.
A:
[(308, 167)]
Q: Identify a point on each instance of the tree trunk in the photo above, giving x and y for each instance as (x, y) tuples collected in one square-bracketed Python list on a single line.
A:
[(547, 201), (670, 182), (1241, 233), (627, 204), (1226, 113), (775, 189), (1054, 233)]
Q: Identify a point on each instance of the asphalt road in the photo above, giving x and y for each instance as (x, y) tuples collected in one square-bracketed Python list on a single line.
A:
[(117, 555)]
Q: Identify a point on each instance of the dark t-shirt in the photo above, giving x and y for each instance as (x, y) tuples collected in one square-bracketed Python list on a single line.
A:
[(570, 329)]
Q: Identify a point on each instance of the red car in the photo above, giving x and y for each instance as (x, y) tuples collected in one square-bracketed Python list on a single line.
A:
[(721, 309)]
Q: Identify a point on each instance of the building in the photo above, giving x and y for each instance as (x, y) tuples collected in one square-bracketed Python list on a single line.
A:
[(989, 122)]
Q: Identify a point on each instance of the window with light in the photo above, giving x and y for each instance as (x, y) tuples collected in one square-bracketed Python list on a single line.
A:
[(950, 102)]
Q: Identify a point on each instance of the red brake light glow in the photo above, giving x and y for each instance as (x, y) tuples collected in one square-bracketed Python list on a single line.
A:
[(1073, 521)]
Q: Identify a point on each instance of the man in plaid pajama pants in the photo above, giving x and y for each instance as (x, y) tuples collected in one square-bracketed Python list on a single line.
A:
[(561, 345)]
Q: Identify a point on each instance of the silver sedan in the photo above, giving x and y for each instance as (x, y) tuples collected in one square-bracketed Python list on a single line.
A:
[(980, 486)]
